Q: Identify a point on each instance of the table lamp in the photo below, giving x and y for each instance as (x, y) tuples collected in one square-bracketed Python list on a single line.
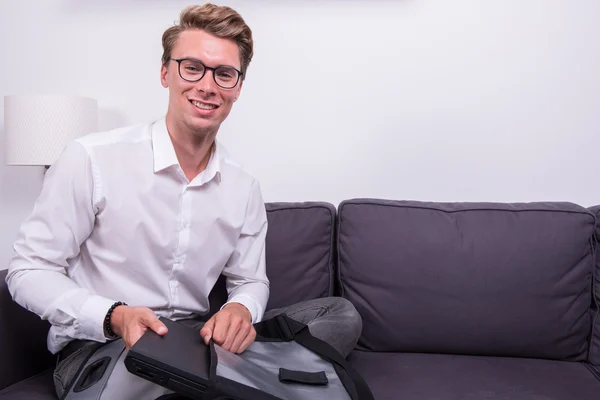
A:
[(39, 127)]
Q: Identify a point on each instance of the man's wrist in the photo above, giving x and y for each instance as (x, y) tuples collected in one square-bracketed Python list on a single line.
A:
[(112, 322), (249, 303), (240, 307)]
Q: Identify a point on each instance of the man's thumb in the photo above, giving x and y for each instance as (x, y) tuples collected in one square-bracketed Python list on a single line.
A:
[(154, 323), (207, 330)]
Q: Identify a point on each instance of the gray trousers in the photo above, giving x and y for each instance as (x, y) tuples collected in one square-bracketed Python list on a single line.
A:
[(333, 320)]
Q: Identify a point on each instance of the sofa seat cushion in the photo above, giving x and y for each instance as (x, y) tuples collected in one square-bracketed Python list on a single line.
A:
[(39, 387), (413, 376)]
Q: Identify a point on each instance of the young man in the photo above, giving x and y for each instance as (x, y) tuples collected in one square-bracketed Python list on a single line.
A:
[(140, 222)]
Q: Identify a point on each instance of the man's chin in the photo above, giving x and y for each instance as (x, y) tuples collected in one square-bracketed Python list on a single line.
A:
[(202, 125)]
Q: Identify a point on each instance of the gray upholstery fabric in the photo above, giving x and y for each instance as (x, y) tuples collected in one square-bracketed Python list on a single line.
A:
[(23, 350), (300, 251), (594, 355), (38, 387), (402, 376), (482, 279)]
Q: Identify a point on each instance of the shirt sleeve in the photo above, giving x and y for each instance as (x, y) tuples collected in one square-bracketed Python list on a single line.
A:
[(245, 272), (48, 244)]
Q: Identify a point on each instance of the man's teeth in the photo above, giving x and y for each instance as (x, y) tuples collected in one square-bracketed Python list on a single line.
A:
[(204, 106)]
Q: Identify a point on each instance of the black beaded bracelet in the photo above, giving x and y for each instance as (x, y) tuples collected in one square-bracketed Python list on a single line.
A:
[(109, 332)]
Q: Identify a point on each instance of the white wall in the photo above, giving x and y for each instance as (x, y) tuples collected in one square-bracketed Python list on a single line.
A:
[(424, 99)]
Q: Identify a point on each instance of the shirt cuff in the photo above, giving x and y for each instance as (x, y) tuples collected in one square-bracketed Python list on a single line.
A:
[(248, 302), (92, 314)]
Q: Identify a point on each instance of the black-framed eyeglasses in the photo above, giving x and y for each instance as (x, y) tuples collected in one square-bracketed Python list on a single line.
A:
[(192, 70)]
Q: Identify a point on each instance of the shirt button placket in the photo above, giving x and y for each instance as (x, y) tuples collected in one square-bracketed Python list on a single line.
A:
[(184, 236)]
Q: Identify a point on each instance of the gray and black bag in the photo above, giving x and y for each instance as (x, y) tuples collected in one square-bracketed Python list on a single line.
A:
[(285, 362)]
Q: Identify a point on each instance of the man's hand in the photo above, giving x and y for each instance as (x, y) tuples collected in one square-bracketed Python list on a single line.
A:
[(231, 328), (131, 322)]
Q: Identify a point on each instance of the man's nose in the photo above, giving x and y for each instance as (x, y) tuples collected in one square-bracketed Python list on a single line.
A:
[(207, 84)]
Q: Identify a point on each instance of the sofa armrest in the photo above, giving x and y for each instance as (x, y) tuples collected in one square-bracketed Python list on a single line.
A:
[(22, 340)]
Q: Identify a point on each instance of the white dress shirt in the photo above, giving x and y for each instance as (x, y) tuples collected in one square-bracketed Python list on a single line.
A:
[(117, 220)]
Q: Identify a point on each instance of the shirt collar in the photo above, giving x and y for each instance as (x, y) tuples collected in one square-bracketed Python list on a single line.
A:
[(162, 147), (213, 168), (165, 156)]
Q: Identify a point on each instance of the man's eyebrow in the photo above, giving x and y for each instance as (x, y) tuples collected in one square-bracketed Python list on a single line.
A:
[(202, 62), (191, 58)]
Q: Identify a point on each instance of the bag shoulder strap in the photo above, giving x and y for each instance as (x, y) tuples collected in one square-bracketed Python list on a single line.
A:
[(279, 328), (283, 328)]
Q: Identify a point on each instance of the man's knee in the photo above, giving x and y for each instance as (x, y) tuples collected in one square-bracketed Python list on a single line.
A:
[(349, 316)]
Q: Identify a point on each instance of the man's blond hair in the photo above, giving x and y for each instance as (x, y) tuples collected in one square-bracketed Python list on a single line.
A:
[(220, 21)]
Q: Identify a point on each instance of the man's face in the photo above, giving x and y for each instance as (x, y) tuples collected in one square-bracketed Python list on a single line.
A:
[(201, 105)]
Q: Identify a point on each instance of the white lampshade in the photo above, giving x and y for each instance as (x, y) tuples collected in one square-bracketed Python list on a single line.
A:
[(39, 127)]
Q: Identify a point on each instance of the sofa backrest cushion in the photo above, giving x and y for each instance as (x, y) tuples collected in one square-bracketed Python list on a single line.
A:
[(300, 251), (23, 348), (466, 278), (594, 355), (299, 254)]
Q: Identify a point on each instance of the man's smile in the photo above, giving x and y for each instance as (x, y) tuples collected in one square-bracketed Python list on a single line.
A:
[(203, 105)]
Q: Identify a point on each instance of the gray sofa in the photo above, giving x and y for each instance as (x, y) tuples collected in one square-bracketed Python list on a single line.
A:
[(459, 301)]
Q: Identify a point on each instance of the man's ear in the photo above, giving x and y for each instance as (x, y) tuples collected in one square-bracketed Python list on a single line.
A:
[(163, 76)]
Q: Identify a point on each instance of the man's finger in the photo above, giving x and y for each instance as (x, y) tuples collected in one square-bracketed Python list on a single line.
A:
[(221, 328), (239, 338), (207, 330), (248, 340), (235, 323), (151, 321), (133, 335)]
